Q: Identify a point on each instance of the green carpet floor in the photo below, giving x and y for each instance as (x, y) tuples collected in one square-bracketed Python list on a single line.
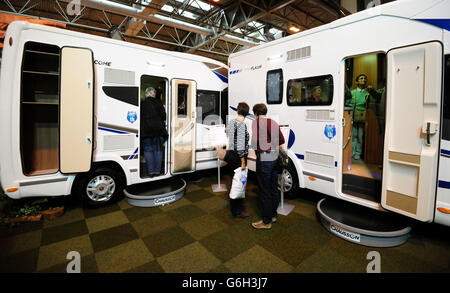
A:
[(197, 234)]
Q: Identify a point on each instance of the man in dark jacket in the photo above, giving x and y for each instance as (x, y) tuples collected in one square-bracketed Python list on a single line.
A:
[(153, 131)]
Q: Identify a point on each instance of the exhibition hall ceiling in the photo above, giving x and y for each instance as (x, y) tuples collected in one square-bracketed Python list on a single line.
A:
[(210, 28)]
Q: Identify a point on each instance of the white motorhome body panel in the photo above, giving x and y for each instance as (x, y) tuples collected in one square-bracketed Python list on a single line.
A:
[(330, 45), (108, 111)]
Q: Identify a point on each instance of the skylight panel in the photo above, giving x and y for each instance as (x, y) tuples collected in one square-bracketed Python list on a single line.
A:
[(167, 8)]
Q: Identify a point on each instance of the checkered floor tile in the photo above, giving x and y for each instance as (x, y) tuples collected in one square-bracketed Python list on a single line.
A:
[(198, 234)]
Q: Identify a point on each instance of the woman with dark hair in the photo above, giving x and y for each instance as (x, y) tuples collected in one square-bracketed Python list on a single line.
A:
[(236, 155), (267, 139)]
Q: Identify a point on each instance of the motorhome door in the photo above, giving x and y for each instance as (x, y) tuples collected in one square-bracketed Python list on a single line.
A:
[(414, 80), (184, 93), (76, 109)]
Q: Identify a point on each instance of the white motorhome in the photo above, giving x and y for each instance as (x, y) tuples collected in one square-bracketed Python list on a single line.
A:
[(70, 112), (403, 48)]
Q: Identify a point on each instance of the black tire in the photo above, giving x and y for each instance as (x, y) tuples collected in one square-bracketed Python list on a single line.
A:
[(292, 188), (100, 187)]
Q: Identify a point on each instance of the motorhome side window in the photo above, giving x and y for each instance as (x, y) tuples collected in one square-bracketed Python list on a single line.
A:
[(208, 107), (311, 91), (121, 86), (182, 99), (274, 86), (446, 107), (39, 128)]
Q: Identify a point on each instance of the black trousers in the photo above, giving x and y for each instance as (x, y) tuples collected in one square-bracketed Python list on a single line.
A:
[(267, 173)]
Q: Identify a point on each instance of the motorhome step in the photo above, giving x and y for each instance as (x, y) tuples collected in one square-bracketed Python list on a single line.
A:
[(366, 188), (362, 225), (155, 193)]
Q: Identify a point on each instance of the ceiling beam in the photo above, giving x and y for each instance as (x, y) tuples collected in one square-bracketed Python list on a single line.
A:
[(243, 23), (135, 25)]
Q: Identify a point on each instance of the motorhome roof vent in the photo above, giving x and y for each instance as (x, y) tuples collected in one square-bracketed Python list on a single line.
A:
[(299, 53)]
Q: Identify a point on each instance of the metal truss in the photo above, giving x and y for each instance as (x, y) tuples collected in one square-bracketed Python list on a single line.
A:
[(217, 32)]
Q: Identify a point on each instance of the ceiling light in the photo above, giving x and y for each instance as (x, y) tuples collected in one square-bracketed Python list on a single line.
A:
[(294, 29)]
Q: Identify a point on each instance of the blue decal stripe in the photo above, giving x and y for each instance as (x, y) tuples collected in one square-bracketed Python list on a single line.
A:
[(300, 156), (439, 22), (112, 130), (291, 138), (134, 154), (444, 184), (445, 152), (222, 78), (335, 163)]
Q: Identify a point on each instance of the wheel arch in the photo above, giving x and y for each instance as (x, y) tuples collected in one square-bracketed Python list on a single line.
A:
[(298, 167), (105, 164)]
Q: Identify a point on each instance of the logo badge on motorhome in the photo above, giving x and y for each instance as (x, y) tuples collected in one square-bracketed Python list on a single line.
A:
[(132, 116), (245, 69), (330, 131)]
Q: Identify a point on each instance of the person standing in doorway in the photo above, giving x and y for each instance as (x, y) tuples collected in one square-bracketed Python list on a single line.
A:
[(153, 131), (358, 102)]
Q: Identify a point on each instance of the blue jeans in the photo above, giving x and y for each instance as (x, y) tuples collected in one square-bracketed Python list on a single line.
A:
[(267, 175), (153, 152)]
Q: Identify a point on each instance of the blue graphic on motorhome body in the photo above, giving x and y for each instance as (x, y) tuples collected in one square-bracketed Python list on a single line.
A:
[(132, 116), (330, 131)]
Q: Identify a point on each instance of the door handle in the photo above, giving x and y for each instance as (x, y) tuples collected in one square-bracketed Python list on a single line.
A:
[(429, 128)]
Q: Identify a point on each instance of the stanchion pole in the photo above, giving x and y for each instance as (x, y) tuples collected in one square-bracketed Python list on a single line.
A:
[(218, 187), (284, 209)]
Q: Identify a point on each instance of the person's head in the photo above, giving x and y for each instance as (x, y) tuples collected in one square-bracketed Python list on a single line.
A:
[(361, 80), (316, 93), (260, 109), (150, 92), (243, 109)]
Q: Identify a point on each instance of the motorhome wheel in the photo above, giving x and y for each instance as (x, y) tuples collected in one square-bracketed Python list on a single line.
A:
[(101, 187), (289, 175)]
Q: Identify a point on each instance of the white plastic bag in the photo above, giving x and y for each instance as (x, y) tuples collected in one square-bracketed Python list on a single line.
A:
[(239, 183)]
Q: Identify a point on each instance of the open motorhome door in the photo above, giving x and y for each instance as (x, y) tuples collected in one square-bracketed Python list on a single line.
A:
[(76, 109), (411, 146), (183, 130)]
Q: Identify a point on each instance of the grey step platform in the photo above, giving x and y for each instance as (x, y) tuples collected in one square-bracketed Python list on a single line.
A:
[(155, 193), (362, 225)]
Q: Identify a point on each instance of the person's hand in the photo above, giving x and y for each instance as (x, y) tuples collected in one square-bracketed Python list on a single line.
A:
[(221, 154)]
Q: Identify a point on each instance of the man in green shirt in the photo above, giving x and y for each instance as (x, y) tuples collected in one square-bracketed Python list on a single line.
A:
[(358, 102)]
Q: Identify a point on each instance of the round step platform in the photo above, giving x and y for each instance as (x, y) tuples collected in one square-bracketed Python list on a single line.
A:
[(362, 225), (155, 193)]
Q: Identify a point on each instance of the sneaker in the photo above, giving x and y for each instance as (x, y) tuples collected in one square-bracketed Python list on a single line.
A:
[(274, 219), (261, 225)]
